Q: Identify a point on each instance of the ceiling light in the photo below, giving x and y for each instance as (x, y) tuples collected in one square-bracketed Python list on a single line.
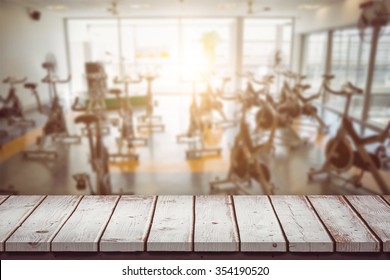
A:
[(57, 8), (226, 6), (308, 7), (139, 6)]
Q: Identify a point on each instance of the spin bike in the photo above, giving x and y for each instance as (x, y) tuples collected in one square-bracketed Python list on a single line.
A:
[(99, 158), (340, 155), (196, 133), (271, 116), (150, 122), (12, 110), (245, 163), (306, 108), (128, 136), (210, 101), (55, 126), (97, 88)]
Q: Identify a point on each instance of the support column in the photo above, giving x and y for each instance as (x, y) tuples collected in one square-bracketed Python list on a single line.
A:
[(370, 76), (239, 45)]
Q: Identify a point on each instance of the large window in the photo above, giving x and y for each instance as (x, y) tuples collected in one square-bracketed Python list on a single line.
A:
[(207, 46), (349, 63), (92, 40), (151, 46), (262, 39), (180, 50), (315, 59), (380, 98)]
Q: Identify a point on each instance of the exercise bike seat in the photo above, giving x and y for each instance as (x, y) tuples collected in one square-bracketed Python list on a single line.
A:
[(304, 87), (48, 65), (115, 91), (30, 86), (86, 119), (328, 77)]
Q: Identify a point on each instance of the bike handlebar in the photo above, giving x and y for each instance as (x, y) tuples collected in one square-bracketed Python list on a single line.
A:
[(86, 119), (127, 80), (347, 90), (267, 79), (13, 81), (54, 79), (354, 88), (328, 77)]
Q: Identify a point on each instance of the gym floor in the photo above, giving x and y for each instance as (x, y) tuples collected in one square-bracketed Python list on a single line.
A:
[(162, 167)]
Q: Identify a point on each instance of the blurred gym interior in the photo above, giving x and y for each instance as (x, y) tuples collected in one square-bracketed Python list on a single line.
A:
[(194, 97)]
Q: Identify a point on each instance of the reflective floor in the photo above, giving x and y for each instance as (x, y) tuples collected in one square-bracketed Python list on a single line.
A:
[(162, 167)]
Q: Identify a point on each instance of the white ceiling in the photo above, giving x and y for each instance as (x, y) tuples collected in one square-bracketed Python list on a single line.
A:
[(97, 8)]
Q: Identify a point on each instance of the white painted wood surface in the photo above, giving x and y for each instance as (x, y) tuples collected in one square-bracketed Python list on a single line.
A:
[(84, 228), (3, 198), (172, 228), (376, 213), (215, 227), (349, 232), (13, 212), (37, 232), (303, 229), (129, 225), (257, 224), (175, 223)]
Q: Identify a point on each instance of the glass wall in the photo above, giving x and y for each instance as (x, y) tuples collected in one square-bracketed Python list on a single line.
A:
[(151, 46), (207, 47), (178, 49), (262, 39), (379, 113), (92, 40), (349, 61), (350, 58), (315, 59)]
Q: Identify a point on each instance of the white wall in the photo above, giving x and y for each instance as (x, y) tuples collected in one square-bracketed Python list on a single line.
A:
[(24, 44), (339, 14)]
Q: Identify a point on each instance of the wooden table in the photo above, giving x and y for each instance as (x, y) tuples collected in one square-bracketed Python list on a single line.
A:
[(221, 226)]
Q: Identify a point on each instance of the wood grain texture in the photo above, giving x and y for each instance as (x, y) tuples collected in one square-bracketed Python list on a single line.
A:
[(13, 212), (257, 224), (84, 228), (172, 228), (376, 214), (3, 198), (303, 230), (36, 233), (215, 226), (387, 198), (349, 232), (129, 225)]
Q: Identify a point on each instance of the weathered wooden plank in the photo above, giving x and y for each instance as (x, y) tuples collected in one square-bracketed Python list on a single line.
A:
[(376, 214), (3, 198), (129, 225), (13, 212), (172, 228), (387, 198), (303, 229), (215, 226), (258, 226), (36, 233), (84, 228), (349, 232)]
